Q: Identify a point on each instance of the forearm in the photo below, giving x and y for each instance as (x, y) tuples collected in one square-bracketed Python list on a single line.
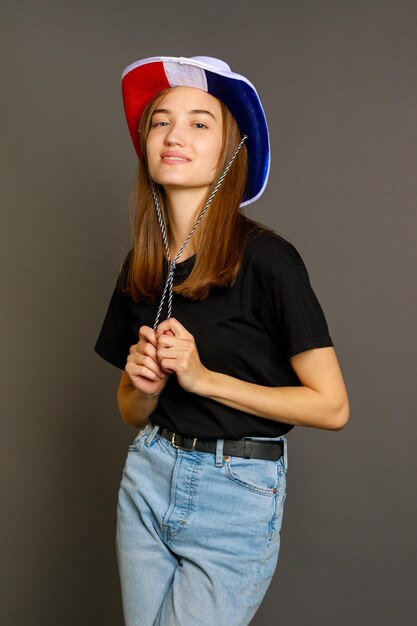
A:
[(299, 405), (135, 406)]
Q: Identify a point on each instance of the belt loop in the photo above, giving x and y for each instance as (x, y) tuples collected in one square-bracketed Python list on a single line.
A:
[(219, 452), (284, 441), (152, 434)]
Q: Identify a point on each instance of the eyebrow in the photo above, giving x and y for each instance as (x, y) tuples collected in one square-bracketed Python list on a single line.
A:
[(192, 112)]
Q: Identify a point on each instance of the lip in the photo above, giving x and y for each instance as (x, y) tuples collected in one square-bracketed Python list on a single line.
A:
[(176, 158)]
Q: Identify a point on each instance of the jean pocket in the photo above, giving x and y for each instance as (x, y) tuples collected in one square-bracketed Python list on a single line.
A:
[(259, 475)]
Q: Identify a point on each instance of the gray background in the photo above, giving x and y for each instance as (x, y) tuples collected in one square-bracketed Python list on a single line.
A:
[(338, 84)]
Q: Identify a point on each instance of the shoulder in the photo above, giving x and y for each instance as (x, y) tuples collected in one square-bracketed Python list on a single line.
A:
[(269, 252)]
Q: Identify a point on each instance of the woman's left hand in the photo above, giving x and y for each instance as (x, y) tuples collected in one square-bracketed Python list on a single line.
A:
[(177, 352)]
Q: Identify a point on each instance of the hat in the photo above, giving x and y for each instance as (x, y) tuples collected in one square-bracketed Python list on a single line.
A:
[(143, 79)]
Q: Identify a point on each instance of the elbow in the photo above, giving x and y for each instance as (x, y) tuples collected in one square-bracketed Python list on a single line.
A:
[(123, 405), (340, 415), (122, 412), (120, 404)]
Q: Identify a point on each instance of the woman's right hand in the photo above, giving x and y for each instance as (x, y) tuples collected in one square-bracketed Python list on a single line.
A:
[(143, 366)]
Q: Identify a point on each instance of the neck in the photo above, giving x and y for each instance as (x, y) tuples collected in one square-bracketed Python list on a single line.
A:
[(182, 206)]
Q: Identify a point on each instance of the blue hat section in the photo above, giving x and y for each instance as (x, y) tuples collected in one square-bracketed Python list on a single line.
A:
[(244, 104)]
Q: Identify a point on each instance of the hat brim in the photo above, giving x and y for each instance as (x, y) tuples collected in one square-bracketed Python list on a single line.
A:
[(142, 80)]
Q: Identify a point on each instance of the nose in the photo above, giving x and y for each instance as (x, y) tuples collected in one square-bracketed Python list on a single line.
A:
[(174, 136)]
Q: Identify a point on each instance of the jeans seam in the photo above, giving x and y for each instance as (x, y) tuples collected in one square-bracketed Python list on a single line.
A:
[(260, 566)]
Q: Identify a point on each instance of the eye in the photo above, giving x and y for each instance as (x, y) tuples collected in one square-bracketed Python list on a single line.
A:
[(200, 124), (157, 123)]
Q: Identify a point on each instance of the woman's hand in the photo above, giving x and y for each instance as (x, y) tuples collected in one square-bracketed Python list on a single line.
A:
[(143, 366), (177, 352)]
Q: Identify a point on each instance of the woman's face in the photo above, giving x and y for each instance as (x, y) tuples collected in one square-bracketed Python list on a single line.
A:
[(185, 139)]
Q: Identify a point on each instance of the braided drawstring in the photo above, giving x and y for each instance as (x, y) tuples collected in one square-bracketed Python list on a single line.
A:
[(170, 278)]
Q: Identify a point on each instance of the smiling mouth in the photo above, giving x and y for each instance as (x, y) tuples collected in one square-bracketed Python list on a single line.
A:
[(175, 160)]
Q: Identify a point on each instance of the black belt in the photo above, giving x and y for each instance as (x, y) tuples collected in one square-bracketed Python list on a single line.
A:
[(246, 448)]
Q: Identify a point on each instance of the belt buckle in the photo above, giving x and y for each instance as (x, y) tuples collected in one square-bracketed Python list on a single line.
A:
[(175, 446)]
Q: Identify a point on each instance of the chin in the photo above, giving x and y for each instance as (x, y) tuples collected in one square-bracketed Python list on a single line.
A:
[(178, 181)]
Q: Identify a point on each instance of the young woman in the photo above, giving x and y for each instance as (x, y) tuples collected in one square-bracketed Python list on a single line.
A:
[(241, 355)]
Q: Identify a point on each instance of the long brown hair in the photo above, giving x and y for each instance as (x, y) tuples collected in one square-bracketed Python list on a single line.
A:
[(219, 238)]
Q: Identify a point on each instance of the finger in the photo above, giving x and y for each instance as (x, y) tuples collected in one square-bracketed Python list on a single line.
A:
[(148, 348), (167, 333), (170, 353), (148, 334), (146, 364), (133, 369), (144, 347), (163, 327), (166, 340), (151, 361), (174, 326), (169, 365), (169, 344), (178, 329), (151, 352)]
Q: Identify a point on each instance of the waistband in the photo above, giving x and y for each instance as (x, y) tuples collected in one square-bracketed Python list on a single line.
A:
[(271, 449)]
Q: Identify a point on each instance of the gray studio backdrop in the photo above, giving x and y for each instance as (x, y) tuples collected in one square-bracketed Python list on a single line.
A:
[(338, 83)]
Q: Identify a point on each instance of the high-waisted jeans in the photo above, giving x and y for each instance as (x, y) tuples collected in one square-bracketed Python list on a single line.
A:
[(198, 533)]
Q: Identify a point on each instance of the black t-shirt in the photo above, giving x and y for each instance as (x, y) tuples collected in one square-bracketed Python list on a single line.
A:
[(248, 331)]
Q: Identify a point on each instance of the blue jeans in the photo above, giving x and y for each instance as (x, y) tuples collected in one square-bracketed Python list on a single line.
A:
[(198, 533)]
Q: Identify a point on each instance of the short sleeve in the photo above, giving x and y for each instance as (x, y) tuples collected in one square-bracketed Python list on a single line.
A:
[(116, 335), (295, 316)]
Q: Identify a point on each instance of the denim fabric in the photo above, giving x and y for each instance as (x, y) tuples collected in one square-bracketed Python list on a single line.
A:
[(198, 534)]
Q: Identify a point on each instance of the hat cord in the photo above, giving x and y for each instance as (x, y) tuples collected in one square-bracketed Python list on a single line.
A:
[(172, 264)]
